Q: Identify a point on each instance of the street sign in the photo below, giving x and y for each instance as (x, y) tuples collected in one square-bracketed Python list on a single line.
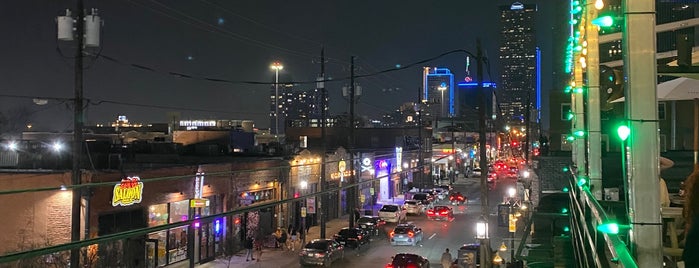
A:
[(371, 191), (513, 223), (303, 212)]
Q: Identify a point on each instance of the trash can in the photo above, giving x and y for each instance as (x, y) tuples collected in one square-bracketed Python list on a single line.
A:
[(469, 255)]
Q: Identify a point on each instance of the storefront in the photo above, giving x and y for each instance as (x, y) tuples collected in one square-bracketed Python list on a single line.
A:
[(171, 246)]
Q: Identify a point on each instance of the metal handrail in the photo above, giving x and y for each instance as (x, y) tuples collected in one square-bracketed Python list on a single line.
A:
[(585, 202)]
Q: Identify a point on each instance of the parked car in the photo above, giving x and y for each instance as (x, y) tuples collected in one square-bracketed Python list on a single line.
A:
[(476, 172), (456, 198), (392, 213), (352, 237), (405, 234), (405, 260), (440, 213), (321, 252), (371, 224), (413, 207)]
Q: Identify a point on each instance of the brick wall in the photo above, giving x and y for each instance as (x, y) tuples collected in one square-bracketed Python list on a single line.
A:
[(549, 169)]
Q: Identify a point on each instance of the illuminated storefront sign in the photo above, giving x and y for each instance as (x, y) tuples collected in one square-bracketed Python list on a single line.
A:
[(198, 203), (399, 158), (128, 192), (198, 185), (344, 174)]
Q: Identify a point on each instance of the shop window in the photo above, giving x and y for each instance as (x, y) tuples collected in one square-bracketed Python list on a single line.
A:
[(249, 198), (177, 237)]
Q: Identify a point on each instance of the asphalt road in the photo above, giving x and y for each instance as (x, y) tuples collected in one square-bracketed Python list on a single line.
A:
[(437, 235)]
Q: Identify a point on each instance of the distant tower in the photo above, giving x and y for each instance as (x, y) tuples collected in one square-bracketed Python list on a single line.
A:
[(518, 60), (438, 91)]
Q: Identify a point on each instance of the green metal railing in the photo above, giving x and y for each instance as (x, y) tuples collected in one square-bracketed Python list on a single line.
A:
[(593, 248)]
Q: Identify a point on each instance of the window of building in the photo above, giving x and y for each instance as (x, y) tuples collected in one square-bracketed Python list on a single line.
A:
[(565, 109), (661, 111)]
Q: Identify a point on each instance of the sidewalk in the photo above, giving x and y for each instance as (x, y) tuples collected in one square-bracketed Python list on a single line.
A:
[(272, 257)]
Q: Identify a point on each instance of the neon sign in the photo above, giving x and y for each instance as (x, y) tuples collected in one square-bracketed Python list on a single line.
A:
[(128, 192)]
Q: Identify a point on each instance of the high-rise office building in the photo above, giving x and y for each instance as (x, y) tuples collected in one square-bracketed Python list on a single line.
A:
[(438, 91), (518, 61), (280, 100)]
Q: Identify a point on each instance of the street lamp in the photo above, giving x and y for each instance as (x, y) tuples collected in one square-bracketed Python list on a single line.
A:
[(276, 66), (442, 87), (482, 228)]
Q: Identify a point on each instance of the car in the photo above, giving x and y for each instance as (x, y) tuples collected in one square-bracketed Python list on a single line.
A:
[(440, 213), (391, 213), (476, 172), (405, 234), (321, 252), (371, 224), (446, 187), (352, 237), (457, 198), (408, 260), (413, 207), (424, 198), (440, 193), (492, 177)]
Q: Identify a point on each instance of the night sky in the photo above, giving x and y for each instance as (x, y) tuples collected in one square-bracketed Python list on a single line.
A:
[(235, 41)]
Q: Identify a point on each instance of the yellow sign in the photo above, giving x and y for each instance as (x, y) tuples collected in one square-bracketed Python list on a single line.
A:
[(198, 203), (341, 166), (513, 223), (362, 198), (337, 175), (303, 212), (128, 192)]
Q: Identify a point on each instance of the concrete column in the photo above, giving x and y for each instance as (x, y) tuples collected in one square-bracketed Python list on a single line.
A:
[(594, 140), (639, 46), (579, 119)]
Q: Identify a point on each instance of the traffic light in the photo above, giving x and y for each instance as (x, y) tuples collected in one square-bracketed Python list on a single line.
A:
[(611, 85)]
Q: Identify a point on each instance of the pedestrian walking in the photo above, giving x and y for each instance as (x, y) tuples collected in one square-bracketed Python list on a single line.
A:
[(248, 246), (691, 217), (446, 259), (293, 238)]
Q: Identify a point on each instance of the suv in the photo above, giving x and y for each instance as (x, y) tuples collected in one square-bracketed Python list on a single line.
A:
[(354, 237), (370, 224), (456, 198), (405, 234), (391, 213), (413, 207)]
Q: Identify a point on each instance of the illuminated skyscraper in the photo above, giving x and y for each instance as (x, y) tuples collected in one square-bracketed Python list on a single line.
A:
[(438, 91), (518, 60)]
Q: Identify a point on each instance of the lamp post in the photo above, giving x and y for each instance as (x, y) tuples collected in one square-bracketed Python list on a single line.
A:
[(276, 66), (442, 87), (512, 222), (303, 185)]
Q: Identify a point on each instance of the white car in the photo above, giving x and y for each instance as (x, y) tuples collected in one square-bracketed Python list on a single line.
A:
[(392, 213), (413, 207), (440, 193), (405, 234)]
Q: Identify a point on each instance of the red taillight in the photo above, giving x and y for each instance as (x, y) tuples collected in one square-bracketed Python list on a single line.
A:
[(411, 234), (359, 237), (430, 212), (443, 213), (461, 198), (391, 234), (411, 265), (390, 265)]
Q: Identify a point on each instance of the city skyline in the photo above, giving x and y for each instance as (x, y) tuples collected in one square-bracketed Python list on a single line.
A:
[(184, 43)]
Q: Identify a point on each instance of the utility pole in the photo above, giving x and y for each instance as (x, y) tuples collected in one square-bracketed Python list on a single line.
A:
[(485, 245), (321, 203), (351, 197), (77, 136)]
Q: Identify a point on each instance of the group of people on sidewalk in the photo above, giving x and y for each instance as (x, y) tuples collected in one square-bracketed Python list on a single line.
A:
[(283, 239)]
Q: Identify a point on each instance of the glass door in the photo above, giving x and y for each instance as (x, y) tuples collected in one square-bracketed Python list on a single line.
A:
[(151, 253), (206, 242)]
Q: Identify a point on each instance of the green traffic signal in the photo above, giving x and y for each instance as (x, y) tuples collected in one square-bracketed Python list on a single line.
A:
[(603, 21)]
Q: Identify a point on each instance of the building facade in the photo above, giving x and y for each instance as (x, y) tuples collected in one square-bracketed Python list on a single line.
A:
[(438, 91), (517, 60)]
